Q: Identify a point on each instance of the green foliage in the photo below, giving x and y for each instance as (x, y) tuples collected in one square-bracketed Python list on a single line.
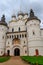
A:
[(33, 59), (3, 59)]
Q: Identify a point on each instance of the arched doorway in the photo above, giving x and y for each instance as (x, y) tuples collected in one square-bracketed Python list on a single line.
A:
[(17, 52), (8, 52), (37, 52)]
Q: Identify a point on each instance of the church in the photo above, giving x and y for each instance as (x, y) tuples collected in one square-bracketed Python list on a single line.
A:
[(22, 36)]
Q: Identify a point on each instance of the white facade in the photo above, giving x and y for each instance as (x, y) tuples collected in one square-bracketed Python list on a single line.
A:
[(22, 37)]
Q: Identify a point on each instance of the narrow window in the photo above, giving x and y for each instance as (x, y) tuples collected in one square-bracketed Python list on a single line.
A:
[(22, 35), (3, 37), (7, 37), (8, 42), (17, 36), (33, 33), (25, 35), (19, 28), (25, 51), (12, 29), (1, 52), (12, 36), (24, 41)]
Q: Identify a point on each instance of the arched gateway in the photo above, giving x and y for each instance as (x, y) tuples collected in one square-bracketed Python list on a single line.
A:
[(16, 52)]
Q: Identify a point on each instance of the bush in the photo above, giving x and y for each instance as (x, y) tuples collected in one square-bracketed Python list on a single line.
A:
[(3, 59), (33, 60)]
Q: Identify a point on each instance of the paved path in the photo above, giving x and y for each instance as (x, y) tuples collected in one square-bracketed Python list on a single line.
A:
[(15, 61)]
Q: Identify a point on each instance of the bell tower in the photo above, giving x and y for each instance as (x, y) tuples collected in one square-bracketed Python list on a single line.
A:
[(3, 30), (33, 34)]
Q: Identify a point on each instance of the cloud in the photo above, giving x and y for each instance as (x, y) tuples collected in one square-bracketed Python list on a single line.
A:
[(8, 7)]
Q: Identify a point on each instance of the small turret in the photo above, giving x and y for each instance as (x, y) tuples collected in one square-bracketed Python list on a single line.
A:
[(3, 22), (32, 16), (31, 13), (3, 18)]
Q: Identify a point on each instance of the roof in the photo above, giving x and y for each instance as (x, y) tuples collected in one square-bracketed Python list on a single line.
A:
[(32, 16), (20, 13), (2, 22)]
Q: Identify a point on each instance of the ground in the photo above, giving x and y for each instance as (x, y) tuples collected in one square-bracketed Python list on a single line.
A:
[(15, 61)]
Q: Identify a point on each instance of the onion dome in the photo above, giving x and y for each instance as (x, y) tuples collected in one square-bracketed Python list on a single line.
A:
[(32, 16), (3, 22), (25, 13), (13, 17), (20, 13)]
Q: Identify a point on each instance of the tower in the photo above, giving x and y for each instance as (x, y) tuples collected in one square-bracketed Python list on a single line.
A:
[(3, 30), (33, 35)]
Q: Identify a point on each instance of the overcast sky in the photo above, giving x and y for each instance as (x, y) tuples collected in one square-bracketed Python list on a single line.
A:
[(9, 7)]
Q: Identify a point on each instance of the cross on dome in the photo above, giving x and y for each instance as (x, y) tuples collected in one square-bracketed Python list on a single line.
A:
[(31, 13)]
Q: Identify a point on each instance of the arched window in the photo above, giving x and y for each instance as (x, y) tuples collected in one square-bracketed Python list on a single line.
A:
[(25, 51), (12, 36), (8, 42), (12, 29), (3, 37), (20, 35), (19, 28), (24, 41), (17, 36), (7, 37), (25, 35), (33, 33)]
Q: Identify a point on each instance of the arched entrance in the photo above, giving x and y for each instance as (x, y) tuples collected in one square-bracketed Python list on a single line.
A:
[(8, 52), (17, 52), (37, 52)]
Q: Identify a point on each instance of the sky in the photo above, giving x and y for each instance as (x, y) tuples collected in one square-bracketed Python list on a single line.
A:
[(10, 7)]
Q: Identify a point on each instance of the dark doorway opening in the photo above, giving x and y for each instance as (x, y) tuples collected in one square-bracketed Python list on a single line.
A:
[(8, 52), (37, 52), (17, 52)]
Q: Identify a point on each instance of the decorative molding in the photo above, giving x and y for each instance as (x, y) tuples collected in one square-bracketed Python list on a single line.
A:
[(15, 32)]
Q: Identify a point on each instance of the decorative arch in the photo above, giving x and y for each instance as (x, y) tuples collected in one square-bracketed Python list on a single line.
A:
[(8, 52), (16, 52), (16, 41), (14, 48)]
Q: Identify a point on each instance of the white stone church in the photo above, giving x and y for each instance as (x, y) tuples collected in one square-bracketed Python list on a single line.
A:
[(22, 36)]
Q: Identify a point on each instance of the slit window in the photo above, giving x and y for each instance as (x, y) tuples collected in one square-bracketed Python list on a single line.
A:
[(33, 33), (12, 29), (19, 28)]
